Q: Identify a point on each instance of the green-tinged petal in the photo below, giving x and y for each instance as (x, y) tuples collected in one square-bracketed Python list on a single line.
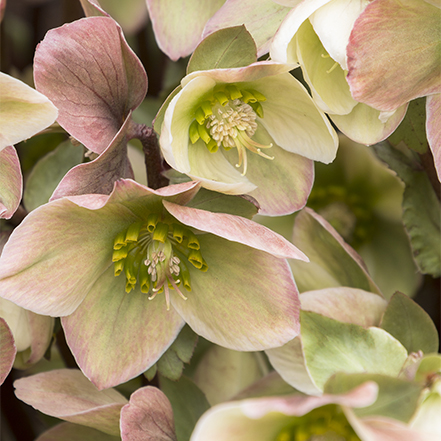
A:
[(116, 336), (331, 346), (75, 432), (23, 111), (236, 229), (148, 416), (367, 125), (260, 18), (252, 292), (94, 86), (7, 350), (433, 129), (11, 183), (67, 394), (332, 263), (301, 128), (17, 320), (333, 23), (394, 53), (67, 249), (323, 74), (178, 27)]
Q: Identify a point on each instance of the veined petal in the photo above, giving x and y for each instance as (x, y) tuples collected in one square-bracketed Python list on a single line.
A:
[(75, 432), (433, 129), (67, 249), (236, 229), (7, 350), (333, 24), (23, 111), (394, 53), (11, 182), (252, 292), (116, 336)]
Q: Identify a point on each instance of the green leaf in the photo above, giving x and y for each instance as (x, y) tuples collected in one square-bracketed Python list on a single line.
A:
[(171, 364), (331, 346), (421, 208), (244, 206), (226, 48), (410, 324), (48, 172), (397, 398), (188, 404)]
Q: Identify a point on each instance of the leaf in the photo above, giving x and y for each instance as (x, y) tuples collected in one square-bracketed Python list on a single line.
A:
[(48, 172), (410, 325), (188, 404), (396, 399), (226, 48), (331, 346), (412, 130), (421, 208)]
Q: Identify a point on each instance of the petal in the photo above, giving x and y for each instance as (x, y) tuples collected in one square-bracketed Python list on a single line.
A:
[(74, 432), (69, 395), (55, 255), (252, 293), (17, 321), (433, 129), (116, 336), (261, 19), (178, 27), (147, 417), (23, 111), (94, 86), (7, 350), (301, 129), (394, 53), (11, 182), (236, 229), (99, 175)]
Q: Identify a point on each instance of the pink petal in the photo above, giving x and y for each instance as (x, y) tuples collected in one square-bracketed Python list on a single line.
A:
[(236, 229), (433, 129), (93, 85), (68, 395), (11, 182), (74, 432), (394, 53), (7, 350), (147, 417)]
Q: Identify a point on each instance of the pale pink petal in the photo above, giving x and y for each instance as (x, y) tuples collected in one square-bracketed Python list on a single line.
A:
[(67, 394), (7, 350), (236, 229), (147, 417), (246, 300), (116, 336), (74, 432), (11, 182), (178, 26), (433, 129), (394, 53), (94, 86), (99, 175)]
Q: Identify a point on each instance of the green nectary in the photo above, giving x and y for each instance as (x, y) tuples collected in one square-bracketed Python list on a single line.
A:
[(227, 118), (154, 253), (327, 423)]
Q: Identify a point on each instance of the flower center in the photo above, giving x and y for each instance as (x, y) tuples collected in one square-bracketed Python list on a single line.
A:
[(228, 119), (327, 423), (153, 254)]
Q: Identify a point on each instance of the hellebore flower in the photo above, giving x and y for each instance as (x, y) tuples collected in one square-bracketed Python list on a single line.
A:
[(24, 112), (95, 86), (315, 34), (126, 271), (96, 415), (394, 56), (249, 130)]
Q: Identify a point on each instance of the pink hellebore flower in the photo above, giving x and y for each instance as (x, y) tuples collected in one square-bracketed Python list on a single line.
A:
[(23, 113), (315, 34), (126, 271), (252, 130), (394, 56)]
